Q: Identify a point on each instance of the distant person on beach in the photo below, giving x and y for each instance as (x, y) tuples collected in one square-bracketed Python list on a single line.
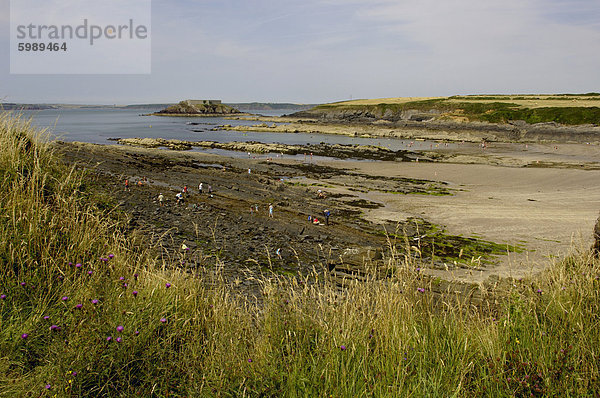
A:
[(270, 210), (161, 199)]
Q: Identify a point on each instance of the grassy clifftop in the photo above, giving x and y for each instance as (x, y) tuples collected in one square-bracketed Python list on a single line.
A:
[(562, 109), (87, 310)]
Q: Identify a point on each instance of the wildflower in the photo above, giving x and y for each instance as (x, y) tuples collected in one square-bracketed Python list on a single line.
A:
[(249, 360), (168, 285), (94, 301), (3, 297), (74, 373), (422, 290), (109, 338), (70, 263), (111, 256), (135, 276), (120, 328), (343, 347), (78, 265), (48, 386), (23, 284), (163, 320), (90, 272), (137, 333), (119, 339), (125, 285), (135, 293), (78, 306), (121, 278), (55, 327), (46, 317), (24, 336), (539, 291), (65, 298)]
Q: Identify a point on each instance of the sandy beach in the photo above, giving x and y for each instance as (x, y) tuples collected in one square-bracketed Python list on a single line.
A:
[(539, 199)]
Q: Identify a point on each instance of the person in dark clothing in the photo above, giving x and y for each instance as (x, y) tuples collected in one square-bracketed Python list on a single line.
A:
[(326, 213)]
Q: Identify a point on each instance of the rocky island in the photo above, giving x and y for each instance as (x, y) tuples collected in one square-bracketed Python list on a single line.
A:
[(198, 108)]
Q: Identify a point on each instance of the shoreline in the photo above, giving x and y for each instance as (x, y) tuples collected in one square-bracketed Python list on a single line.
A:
[(537, 209)]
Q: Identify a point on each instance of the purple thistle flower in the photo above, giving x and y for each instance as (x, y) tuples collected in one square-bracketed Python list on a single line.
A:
[(78, 265), (163, 320), (3, 297), (48, 386), (94, 301), (78, 306), (119, 339), (23, 284), (249, 360), (168, 285), (122, 278), (422, 290), (55, 327), (125, 285), (65, 298), (46, 317), (135, 276), (24, 336), (111, 256), (135, 293), (74, 373), (137, 332), (109, 338), (120, 328), (90, 272), (343, 347), (539, 291), (70, 263)]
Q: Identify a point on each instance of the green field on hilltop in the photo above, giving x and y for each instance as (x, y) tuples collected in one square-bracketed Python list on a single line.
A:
[(567, 109)]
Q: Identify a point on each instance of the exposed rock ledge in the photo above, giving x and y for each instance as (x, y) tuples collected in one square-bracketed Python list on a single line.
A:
[(332, 150)]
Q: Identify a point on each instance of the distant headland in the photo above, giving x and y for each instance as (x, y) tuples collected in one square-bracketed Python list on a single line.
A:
[(198, 108)]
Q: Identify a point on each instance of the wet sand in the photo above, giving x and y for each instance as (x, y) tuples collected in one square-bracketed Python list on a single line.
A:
[(541, 198)]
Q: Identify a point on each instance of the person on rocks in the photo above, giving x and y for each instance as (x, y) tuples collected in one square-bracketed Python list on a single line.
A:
[(179, 198), (200, 188), (270, 210), (161, 200), (127, 186), (326, 213), (185, 190)]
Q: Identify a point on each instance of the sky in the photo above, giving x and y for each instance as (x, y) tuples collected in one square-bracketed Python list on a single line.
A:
[(316, 51)]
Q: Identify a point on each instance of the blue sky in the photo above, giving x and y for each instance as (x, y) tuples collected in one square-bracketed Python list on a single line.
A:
[(316, 51)]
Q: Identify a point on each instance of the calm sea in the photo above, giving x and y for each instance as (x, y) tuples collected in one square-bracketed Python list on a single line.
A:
[(100, 125)]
